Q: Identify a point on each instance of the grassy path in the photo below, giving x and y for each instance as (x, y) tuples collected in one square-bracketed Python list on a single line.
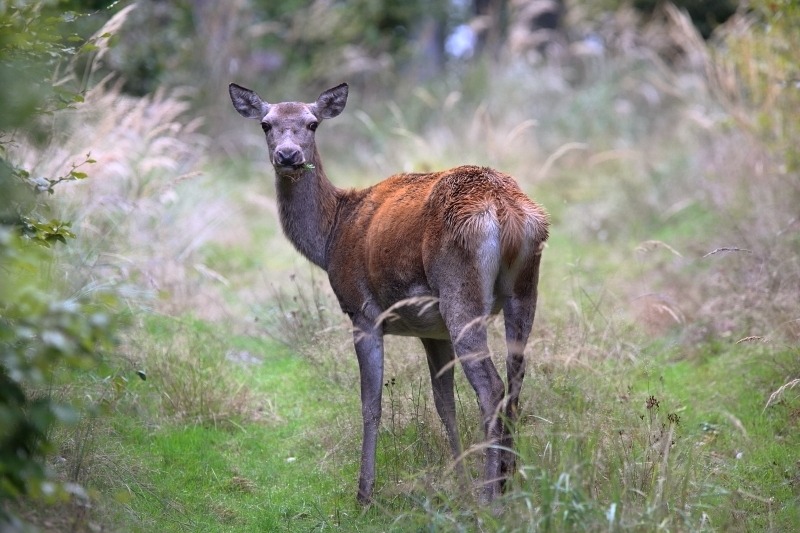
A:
[(292, 465), (268, 474)]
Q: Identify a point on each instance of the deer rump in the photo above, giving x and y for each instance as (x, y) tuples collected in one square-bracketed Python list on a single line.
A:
[(397, 245)]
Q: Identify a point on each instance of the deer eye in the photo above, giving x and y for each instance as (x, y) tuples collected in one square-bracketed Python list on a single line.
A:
[(313, 126), (266, 126)]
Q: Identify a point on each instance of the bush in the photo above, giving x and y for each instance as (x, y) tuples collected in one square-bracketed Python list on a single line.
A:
[(41, 333)]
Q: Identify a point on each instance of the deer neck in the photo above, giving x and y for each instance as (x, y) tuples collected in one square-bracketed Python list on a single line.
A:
[(307, 203)]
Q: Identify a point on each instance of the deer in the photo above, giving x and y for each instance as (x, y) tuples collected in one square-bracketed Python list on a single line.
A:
[(427, 255)]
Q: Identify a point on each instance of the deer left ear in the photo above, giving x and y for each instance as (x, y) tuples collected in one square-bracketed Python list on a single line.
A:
[(331, 102)]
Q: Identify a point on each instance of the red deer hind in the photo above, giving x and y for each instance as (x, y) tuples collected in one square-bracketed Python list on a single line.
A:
[(429, 255)]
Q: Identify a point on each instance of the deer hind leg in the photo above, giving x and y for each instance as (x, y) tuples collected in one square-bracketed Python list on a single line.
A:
[(465, 314), (518, 312), (441, 357)]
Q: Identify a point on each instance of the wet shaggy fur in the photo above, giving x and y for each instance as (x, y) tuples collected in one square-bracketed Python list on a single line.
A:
[(465, 195)]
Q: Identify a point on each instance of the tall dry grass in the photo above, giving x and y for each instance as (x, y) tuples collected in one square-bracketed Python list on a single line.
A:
[(147, 206)]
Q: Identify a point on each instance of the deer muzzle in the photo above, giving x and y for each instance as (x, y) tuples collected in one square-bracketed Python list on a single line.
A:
[(288, 156)]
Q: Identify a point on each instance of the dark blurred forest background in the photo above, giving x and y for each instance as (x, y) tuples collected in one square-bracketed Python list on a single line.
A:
[(375, 45), (158, 335), (180, 43)]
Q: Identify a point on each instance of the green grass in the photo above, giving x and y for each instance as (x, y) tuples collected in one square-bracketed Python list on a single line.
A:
[(753, 448), (587, 442), (257, 473)]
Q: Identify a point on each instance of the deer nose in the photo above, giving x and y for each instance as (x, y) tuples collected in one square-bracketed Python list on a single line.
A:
[(288, 157)]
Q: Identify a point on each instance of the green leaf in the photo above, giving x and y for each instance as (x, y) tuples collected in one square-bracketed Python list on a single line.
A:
[(78, 175)]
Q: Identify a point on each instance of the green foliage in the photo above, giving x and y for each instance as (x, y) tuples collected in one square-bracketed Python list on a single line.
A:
[(306, 42), (33, 52), (32, 48), (706, 15), (25, 207), (159, 47), (40, 335), (766, 61)]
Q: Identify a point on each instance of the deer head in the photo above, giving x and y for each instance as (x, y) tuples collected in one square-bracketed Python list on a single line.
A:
[(289, 126)]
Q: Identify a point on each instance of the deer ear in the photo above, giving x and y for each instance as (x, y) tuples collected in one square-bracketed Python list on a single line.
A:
[(331, 102), (247, 102)]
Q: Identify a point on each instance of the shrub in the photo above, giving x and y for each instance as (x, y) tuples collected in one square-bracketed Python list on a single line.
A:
[(41, 333)]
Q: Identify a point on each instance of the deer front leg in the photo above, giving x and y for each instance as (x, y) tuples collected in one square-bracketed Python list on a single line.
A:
[(369, 349)]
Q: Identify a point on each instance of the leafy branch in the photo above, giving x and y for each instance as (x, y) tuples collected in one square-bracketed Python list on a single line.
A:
[(41, 334)]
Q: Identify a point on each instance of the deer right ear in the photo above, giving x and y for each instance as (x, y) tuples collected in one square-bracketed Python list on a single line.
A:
[(247, 102)]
